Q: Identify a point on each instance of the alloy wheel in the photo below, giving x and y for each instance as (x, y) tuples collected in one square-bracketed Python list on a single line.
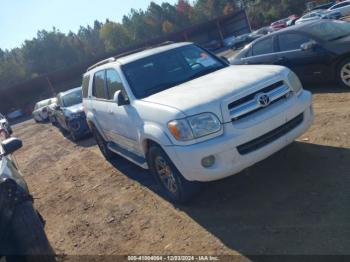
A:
[(166, 174), (345, 74)]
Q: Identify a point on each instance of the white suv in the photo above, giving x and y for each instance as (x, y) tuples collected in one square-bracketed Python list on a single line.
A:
[(189, 116)]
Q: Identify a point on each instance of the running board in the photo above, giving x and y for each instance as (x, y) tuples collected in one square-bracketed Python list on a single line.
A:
[(127, 154)]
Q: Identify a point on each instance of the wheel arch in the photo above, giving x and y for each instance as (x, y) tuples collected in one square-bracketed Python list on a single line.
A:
[(153, 135)]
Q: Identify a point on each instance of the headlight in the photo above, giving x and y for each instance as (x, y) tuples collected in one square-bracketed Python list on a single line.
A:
[(294, 82), (194, 126)]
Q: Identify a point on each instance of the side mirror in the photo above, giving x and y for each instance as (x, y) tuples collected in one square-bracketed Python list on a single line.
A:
[(308, 46), (120, 98), (11, 145)]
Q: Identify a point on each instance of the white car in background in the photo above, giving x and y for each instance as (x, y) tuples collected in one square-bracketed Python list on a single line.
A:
[(5, 128), (41, 110), (343, 8), (317, 15)]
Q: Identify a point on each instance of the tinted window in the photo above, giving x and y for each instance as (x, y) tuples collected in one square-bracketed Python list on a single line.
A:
[(158, 72), (113, 82), (98, 90), (86, 80), (263, 47), (329, 31), (288, 42)]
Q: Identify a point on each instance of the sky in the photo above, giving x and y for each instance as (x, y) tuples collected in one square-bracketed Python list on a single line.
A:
[(21, 19)]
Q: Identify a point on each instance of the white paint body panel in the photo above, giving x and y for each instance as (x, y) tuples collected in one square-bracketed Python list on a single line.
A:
[(131, 125)]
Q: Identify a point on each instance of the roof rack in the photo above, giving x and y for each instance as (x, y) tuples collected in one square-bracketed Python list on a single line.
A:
[(113, 59), (106, 61)]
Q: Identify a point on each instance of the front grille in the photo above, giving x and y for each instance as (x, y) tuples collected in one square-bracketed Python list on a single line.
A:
[(249, 104), (271, 136), (252, 96)]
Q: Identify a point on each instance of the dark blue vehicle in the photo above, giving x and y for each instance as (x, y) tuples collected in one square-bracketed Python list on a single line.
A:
[(70, 114), (316, 51)]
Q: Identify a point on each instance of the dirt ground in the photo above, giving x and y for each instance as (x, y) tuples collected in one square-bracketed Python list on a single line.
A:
[(295, 202)]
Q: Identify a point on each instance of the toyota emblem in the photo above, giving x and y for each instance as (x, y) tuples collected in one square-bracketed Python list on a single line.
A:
[(263, 100)]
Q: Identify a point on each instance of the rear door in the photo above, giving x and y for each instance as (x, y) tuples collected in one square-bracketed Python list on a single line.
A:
[(261, 52), (99, 102), (309, 65)]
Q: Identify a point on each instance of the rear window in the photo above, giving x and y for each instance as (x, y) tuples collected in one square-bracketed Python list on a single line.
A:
[(86, 80), (263, 47), (329, 30)]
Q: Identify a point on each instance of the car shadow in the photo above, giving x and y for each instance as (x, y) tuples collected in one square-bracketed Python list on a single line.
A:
[(294, 202)]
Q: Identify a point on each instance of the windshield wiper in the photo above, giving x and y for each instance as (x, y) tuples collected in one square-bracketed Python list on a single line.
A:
[(338, 37)]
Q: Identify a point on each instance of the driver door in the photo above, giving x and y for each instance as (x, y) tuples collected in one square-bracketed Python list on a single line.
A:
[(122, 121), (307, 64)]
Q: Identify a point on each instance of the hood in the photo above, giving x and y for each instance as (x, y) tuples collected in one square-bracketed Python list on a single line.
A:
[(205, 94), (78, 108)]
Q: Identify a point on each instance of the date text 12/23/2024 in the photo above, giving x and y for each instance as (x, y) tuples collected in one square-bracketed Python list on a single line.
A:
[(173, 258)]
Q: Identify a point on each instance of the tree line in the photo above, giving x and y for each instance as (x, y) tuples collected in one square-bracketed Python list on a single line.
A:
[(53, 50)]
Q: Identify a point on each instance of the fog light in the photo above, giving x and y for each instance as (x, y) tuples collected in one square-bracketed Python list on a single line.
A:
[(208, 161)]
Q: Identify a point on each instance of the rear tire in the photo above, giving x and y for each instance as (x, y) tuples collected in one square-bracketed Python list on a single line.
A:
[(343, 73), (102, 144), (176, 188)]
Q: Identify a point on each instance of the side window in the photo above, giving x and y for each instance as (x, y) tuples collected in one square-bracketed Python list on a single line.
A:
[(86, 80), (113, 82), (98, 90), (287, 42), (263, 47)]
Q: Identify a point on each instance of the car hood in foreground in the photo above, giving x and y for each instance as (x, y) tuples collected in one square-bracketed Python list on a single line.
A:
[(205, 94)]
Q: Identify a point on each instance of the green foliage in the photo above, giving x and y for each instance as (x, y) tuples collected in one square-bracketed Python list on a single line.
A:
[(53, 50)]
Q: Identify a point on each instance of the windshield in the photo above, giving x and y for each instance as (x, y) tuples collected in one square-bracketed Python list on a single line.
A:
[(72, 98), (159, 72), (330, 31)]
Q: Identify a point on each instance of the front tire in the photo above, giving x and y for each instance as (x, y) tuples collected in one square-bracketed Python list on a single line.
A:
[(176, 188), (343, 73), (73, 136)]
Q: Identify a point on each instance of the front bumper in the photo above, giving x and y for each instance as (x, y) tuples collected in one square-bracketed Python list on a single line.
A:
[(225, 147)]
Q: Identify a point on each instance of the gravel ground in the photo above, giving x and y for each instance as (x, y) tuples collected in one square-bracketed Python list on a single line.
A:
[(295, 202)]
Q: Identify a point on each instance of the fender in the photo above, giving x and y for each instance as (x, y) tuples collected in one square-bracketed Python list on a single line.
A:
[(155, 133), (92, 122)]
